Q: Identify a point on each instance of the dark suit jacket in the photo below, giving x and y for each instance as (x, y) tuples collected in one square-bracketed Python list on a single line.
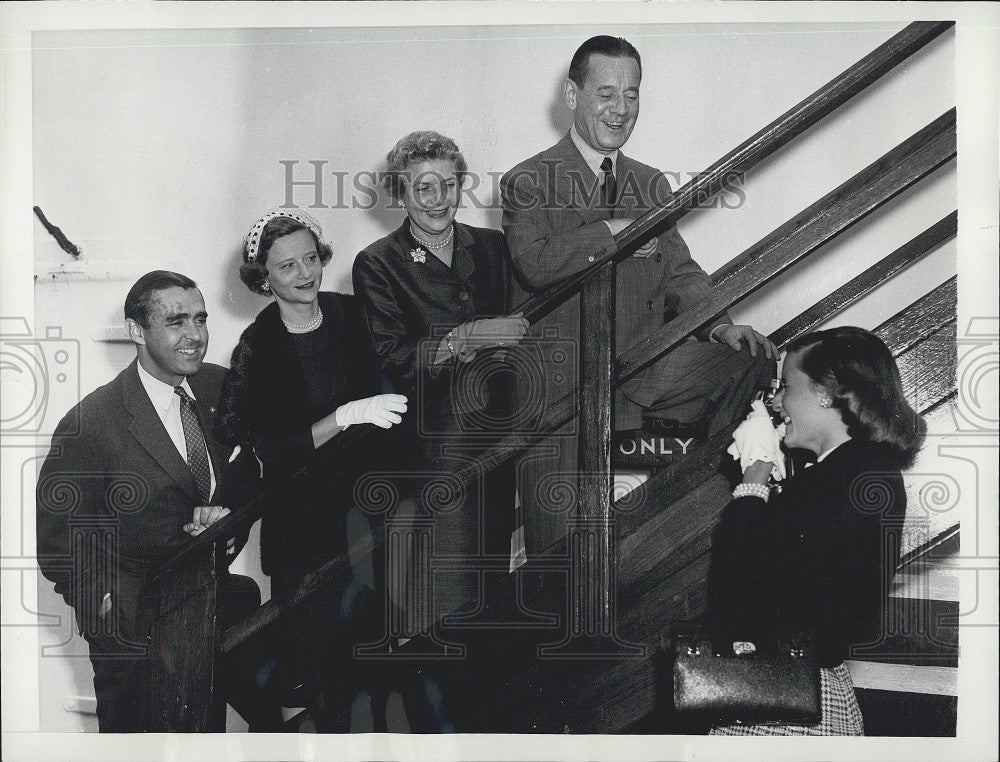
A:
[(454, 407), (409, 305), (818, 557), (113, 498), (554, 225)]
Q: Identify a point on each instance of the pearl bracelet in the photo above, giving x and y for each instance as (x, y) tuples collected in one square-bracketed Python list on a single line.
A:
[(752, 490), (449, 340)]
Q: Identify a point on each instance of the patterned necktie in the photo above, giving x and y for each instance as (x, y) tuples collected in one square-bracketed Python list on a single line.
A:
[(194, 440), (609, 190)]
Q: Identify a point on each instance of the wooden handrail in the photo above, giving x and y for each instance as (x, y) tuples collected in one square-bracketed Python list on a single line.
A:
[(748, 154), (909, 327), (664, 552), (935, 310), (849, 203), (932, 146), (245, 516), (768, 140), (881, 181), (928, 336), (864, 192), (273, 609), (854, 289), (949, 535)]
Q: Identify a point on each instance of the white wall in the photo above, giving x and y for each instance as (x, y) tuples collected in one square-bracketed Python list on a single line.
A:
[(159, 148), (156, 149)]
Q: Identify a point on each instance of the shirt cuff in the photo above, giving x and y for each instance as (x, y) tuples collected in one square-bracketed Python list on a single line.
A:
[(711, 334)]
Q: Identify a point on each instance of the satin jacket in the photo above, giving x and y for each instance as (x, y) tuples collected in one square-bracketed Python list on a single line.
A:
[(411, 300)]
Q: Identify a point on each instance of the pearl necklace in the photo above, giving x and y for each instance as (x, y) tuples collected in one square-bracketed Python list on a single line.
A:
[(312, 325), (439, 244)]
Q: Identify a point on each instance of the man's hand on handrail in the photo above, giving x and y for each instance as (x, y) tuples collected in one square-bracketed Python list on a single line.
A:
[(618, 224), (734, 335), (206, 515)]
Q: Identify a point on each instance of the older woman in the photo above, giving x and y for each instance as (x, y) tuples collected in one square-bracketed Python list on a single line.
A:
[(817, 556), (301, 373), (434, 293)]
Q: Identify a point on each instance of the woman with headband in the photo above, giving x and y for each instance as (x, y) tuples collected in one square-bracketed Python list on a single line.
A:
[(301, 373)]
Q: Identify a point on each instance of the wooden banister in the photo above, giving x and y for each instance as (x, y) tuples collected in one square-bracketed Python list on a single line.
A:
[(662, 567), (881, 271), (185, 635), (925, 338), (676, 481), (242, 518), (821, 222), (875, 185), (748, 154), (906, 333), (851, 202), (761, 145), (273, 609)]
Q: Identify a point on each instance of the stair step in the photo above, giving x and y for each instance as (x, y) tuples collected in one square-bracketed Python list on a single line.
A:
[(904, 678), (918, 633), (890, 713)]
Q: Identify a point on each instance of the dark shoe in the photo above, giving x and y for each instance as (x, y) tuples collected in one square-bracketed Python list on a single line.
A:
[(668, 427)]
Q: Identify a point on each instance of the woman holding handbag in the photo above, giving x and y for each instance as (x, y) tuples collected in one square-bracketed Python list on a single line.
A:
[(817, 555)]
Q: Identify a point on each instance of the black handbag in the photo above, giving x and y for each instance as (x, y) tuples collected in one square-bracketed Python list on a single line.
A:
[(720, 681)]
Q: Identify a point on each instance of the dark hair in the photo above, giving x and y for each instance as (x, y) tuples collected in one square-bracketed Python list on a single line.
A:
[(253, 274), (140, 295), (859, 373), (605, 45), (424, 145)]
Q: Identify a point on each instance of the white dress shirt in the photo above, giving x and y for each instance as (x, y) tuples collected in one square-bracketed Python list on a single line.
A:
[(168, 406), (592, 156), (594, 159)]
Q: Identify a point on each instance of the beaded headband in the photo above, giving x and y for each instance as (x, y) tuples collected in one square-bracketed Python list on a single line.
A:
[(253, 237)]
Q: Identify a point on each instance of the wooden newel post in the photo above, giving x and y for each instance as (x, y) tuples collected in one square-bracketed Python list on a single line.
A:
[(591, 608), (183, 650)]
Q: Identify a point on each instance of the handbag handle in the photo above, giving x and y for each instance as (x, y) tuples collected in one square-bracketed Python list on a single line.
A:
[(798, 645)]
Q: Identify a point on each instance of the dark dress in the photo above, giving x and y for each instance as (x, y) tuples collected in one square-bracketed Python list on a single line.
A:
[(411, 299), (278, 385), (817, 558)]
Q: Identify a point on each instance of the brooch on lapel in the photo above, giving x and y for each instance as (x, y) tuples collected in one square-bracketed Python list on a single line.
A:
[(419, 255)]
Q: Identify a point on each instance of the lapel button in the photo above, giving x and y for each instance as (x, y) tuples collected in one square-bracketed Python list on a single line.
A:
[(463, 296)]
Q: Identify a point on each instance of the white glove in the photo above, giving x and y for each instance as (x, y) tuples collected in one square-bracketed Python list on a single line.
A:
[(383, 410), (757, 439)]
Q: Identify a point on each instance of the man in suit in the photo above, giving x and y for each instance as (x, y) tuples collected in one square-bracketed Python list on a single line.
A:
[(133, 473), (561, 211)]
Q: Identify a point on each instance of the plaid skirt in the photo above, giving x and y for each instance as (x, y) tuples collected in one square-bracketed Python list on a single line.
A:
[(840, 713)]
